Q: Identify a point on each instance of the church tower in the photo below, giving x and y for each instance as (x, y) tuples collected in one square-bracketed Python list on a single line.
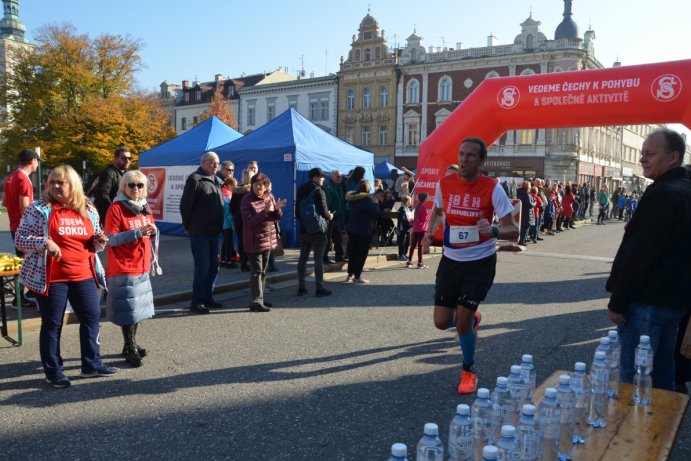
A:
[(12, 39)]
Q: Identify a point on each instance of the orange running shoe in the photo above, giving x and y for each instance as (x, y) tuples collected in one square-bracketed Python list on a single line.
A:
[(468, 383), (476, 323)]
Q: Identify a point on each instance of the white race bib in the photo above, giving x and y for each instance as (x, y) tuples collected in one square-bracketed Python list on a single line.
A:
[(464, 234)]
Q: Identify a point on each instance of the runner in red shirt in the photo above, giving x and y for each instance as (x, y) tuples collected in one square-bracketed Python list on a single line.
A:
[(468, 202)]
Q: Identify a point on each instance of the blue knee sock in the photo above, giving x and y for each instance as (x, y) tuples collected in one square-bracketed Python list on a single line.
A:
[(467, 343)]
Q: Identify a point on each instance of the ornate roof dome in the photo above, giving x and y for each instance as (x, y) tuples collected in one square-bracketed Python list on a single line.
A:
[(568, 27)]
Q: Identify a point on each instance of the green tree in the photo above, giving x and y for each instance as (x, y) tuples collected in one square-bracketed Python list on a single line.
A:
[(74, 97)]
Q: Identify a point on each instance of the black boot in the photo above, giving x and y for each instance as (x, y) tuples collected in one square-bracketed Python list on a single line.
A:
[(131, 354), (141, 350)]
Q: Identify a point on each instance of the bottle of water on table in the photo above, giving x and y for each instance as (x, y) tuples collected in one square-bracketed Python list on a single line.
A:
[(508, 446), (481, 414), (548, 422), (580, 385), (614, 363), (567, 404), (528, 435), (642, 381), (490, 453), (430, 448), (460, 446), (399, 452), (599, 379), (518, 389), (529, 376), (502, 405)]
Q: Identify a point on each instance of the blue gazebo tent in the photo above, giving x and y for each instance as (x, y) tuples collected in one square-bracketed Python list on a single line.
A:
[(383, 170)]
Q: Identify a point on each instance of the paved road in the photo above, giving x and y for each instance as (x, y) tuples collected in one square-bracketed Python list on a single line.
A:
[(337, 378)]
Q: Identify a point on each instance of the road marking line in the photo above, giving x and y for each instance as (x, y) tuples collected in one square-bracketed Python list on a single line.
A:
[(567, 256)]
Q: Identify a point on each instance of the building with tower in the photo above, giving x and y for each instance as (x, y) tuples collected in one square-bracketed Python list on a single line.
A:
[(12, 39)]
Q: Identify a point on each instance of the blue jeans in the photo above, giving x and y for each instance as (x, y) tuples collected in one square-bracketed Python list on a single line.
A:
[(205, 251), (84, 298), (660, 323)]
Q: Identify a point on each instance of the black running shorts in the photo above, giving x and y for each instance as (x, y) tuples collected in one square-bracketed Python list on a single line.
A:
[(456, 279)]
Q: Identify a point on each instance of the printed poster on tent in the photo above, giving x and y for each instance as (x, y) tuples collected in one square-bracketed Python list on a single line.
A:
[(165, 190)]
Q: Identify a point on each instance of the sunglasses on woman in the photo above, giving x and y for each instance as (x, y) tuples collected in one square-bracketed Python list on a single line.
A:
[(138, 185)]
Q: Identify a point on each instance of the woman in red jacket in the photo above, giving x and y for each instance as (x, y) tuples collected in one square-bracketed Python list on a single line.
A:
[(259, 215), (130, 229), (567, 208)]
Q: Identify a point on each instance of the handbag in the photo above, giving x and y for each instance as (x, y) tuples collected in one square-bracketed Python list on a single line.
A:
[(278, 251)]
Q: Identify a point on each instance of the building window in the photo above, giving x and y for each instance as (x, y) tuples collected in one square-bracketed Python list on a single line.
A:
[(368, 55), (377, 53), (383, 96), (231, 91), (198, 95), (525, 136), (187, 97), (412, 134), (413, 92), (350, 99), (382, 135), (324, 108), (293, 102), (445, 89), (357, 55), (183, 123), (270, 110), (366, 98), (251, 114), (319, 108), (365, 136), (349, 135), (195, 120)]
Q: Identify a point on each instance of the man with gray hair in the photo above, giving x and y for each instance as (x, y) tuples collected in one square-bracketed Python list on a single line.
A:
[(201, 208)]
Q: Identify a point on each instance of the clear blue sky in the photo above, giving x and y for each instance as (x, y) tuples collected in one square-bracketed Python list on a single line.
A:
[(196, 40)]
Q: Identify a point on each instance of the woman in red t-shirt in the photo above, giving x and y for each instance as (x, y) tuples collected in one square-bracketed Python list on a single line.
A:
[(130, 230), (60, 235)]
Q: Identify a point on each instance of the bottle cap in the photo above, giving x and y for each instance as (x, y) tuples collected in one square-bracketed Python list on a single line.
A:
[(580, 366), (645, 339), (600, 355), (613, 335), (516, 369), (502, 381), (462, 409), (550, 392), (431, 429), (604, 341), (564, 379), (508, 430), (399, 450), (527, 358), (483, 393), (490, 452), (528, 409)]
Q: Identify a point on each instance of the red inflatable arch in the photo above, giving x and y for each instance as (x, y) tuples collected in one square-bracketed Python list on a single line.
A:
[(629, 95)]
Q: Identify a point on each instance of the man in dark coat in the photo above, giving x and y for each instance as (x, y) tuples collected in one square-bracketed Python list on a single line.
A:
[(201, 208), (106, 188)]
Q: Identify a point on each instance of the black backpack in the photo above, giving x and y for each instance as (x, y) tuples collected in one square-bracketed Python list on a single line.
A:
[(310, 217)]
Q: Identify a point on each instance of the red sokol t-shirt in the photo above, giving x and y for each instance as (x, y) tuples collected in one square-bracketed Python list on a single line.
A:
[(16, 185), (73, 234)]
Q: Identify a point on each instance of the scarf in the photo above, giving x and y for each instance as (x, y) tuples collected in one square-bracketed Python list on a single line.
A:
[(136, 206)]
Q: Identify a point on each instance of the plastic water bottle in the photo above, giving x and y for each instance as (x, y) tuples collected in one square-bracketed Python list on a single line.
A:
[(580, 385), (528, 435), (599, 379), (528, 374), (509, 448), (518, 390), (481, 414), (614, 363), (399, 452), (460, 446), (490, 453), (567, 404), (642, 382), (548, 422), (430, 448), (502, 405)]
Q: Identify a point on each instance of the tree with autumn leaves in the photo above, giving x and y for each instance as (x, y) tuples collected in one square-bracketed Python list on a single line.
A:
[(219, 107), (74, 97)]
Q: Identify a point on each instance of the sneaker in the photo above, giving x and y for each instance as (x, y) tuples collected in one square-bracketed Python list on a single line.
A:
[(350, 279), (59, 381), (323, 292), (360, 280), (328, 261), (409, 265), (422, 266), (468, 383), (476, 323), (302, 291), (103, 370), (199, 309), (213, 305)]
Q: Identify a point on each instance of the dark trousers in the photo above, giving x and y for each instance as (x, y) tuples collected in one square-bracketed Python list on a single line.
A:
[(403, 243), (335, 234), (84, 298), (416, 243), (241, 247), (228, 248), (358, 249), (309, 242), (205, 251), (258, 263)]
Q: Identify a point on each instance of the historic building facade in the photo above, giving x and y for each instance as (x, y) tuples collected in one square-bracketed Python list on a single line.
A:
[(12, 39), (367, 92)]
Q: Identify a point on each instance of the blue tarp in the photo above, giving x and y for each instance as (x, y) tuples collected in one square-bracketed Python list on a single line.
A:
[(287, 148), (383, 170)]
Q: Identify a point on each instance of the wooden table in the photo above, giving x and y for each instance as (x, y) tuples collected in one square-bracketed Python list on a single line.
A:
[(3, 279), (633, 432)]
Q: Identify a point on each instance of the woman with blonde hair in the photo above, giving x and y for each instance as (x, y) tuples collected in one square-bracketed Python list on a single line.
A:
[(60, 235), (131, 234)]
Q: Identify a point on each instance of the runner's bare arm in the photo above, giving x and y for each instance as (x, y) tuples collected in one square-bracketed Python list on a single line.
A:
[(434, 221), (507, 228)]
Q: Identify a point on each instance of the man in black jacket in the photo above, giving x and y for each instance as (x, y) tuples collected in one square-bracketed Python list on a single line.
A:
[(109, 180), (314, 240), (201, 208), (650, 280)]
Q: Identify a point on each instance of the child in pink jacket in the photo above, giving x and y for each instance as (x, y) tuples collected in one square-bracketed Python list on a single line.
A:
[(420, 223)]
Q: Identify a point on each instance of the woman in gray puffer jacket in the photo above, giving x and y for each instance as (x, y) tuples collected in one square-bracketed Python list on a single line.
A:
[(259, 215)]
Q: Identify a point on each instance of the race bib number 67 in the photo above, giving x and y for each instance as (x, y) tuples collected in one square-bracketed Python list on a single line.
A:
[(464, 234)]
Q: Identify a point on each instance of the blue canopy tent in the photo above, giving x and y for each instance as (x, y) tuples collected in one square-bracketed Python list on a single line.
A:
[(287, 148), (168, 165), (383, 170)]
